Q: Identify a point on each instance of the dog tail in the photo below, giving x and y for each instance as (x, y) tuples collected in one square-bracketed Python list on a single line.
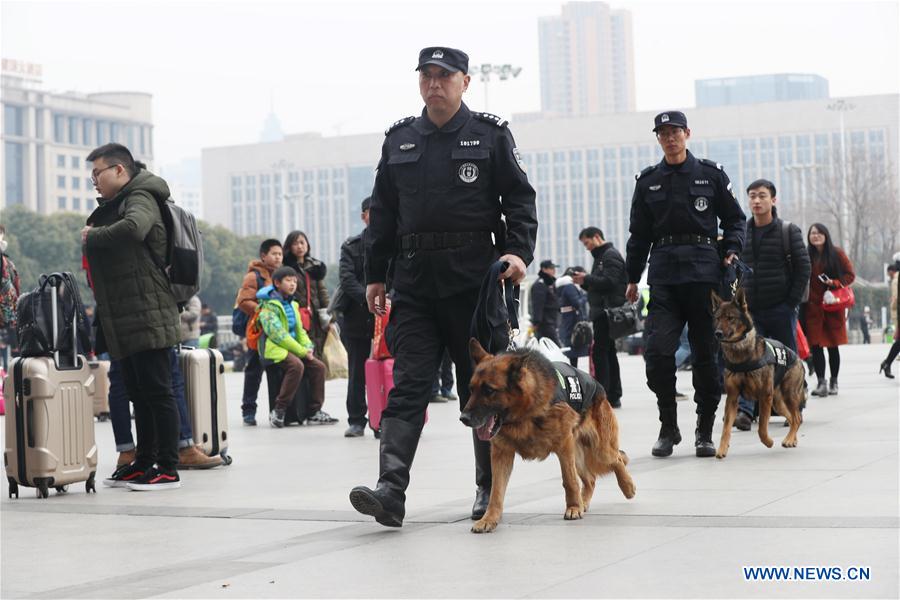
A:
[(624, 456)]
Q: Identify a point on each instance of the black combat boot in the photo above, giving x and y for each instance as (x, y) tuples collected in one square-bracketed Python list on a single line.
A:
[(386, 503), (669, 435), (482, 476), (703, 445)]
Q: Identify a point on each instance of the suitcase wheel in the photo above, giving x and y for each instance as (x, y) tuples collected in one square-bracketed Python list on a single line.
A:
[(226, 458), (13, 487), (90, 485), (103, 417), (42, 490), (62, 489)]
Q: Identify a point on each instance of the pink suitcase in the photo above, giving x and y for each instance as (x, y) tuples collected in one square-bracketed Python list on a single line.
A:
[(379, 383), (2, 397)]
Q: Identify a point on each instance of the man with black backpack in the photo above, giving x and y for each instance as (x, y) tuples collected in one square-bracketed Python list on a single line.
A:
[(774, 249), (126, 244)]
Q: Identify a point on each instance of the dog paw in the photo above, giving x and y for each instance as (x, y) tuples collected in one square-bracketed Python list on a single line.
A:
[(573, 513), (789, 443), (768, 442), (721, 453), (484, 526), (629, 490)]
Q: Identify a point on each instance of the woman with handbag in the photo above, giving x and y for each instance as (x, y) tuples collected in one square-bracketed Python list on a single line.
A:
[(832, 273), (311, 294), (892, 270)]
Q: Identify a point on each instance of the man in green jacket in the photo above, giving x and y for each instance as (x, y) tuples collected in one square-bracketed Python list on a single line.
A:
[(285, 343), (137, 316)]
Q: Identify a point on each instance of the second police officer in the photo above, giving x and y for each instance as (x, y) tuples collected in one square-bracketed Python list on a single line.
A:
[(677, 209), (444, 180)]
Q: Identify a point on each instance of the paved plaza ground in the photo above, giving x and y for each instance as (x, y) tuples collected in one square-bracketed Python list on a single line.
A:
[(277, 522)]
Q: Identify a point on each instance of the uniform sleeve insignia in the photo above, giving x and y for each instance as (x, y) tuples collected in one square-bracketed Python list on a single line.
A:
[(711, 163), (730, 189), (489, 118), (518, 158), (649, 169), (399, 124)]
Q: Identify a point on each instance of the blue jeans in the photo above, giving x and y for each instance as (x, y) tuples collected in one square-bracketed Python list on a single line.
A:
[(683, 354), (778, 323), (443, 381), (120, 415)]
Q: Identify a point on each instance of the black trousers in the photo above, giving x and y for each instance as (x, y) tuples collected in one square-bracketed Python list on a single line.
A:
[(253, 373), (606, 363), (358, 350), (671, 306), (419, 330), (148, 379)]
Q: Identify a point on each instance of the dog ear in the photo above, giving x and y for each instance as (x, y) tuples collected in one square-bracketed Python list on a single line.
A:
[(740, 298), (476, 351), (716, 301), (515, 372)]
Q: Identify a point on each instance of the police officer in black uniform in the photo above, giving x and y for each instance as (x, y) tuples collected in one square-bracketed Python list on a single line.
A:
[(444, 181), (676, 211)]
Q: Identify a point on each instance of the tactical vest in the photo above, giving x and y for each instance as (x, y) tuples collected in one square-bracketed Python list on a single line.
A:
[(775, 353), (575, 387)]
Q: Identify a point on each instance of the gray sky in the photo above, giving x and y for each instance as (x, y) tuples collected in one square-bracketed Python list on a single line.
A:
[(347, 67)]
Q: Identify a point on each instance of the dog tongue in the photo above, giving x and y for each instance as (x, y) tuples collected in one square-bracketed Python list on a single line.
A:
[(484, 432)]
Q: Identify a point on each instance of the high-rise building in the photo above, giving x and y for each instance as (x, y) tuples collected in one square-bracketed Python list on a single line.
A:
[(586, 61), (781, 87), (46, 136)]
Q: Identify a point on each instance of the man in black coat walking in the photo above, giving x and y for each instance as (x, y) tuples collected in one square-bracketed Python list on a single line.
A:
[(606, 289), (545, 304), (357, 326)]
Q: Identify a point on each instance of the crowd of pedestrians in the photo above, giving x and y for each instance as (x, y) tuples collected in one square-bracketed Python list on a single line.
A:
[(427, 244)]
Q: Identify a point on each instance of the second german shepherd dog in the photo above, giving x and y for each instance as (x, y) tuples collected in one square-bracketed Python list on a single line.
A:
[(511, 404), (743, 350)]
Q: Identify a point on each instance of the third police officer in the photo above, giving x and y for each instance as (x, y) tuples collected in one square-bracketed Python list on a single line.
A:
[(443, 183), (676, 212)]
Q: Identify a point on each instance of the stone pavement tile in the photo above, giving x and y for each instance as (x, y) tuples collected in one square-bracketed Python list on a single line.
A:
[(710, 561), (111, 556), (444, 561)]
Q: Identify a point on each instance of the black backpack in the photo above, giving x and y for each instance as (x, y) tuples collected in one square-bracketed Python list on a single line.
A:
[(34, 313)]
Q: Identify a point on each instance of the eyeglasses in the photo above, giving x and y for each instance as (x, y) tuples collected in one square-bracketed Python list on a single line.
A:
[(95, 174), (671, 133)]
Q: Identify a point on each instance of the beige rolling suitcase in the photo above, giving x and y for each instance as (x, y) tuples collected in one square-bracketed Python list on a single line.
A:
[(49, 438), (100, 369), (204, 392)]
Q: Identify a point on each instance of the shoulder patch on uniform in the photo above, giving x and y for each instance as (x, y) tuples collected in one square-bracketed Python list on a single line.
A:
[(711, 163), (649, 169), (489, 118), (399, 124)]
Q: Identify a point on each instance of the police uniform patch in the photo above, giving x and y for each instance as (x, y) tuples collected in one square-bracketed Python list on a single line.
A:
[(655, 188), (468, 172), (407, 146), (701, 203), (469, 143), (664, 118), (398, 124), (518, 158), (730, 189)]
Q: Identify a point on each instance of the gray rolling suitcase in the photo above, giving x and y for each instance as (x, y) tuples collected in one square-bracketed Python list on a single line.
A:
[(50, 421), (204, 392)]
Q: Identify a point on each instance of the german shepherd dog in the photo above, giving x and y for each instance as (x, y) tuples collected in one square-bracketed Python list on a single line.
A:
[(742, 346), (510, 405)]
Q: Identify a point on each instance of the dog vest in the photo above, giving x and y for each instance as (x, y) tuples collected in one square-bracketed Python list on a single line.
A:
[(575, 387), (775, 353)]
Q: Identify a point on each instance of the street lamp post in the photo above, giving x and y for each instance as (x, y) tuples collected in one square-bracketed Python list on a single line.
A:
[(842, 106), (503, 72)]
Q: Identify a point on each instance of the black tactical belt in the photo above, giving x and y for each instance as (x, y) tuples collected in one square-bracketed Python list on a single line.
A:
[(684, 239), (446, 239)]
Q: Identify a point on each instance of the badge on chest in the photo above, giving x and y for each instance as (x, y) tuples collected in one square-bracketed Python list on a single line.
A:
[(468, 172)]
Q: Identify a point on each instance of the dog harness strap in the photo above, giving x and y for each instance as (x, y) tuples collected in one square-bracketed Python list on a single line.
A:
[(776, 354), (577, 388)]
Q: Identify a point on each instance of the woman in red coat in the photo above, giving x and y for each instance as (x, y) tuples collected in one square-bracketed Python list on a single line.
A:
[(830, 269)]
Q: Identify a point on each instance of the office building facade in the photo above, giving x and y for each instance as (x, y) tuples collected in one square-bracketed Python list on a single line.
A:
[(782, 87), (47, 135), (582, 168)]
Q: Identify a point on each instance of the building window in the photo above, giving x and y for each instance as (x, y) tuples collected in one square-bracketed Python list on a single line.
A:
[(61, 202), (88, 184), (76, 162), (87, 129), (13, 120), (73, 130), (76, 183), (102, 133), (61, 182), (14, 170), (61, 161), (76, 204), (59, 127), (114, 132)]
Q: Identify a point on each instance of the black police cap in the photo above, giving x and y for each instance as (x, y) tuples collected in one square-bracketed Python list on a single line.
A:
[(548, 264), (449, 58), (366, 204), (672, 117)]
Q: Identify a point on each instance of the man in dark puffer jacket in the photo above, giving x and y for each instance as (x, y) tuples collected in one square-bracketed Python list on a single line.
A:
[(780, 276)]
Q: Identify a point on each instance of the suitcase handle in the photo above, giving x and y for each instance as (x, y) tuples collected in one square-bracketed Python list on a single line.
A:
[(53, 280)]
